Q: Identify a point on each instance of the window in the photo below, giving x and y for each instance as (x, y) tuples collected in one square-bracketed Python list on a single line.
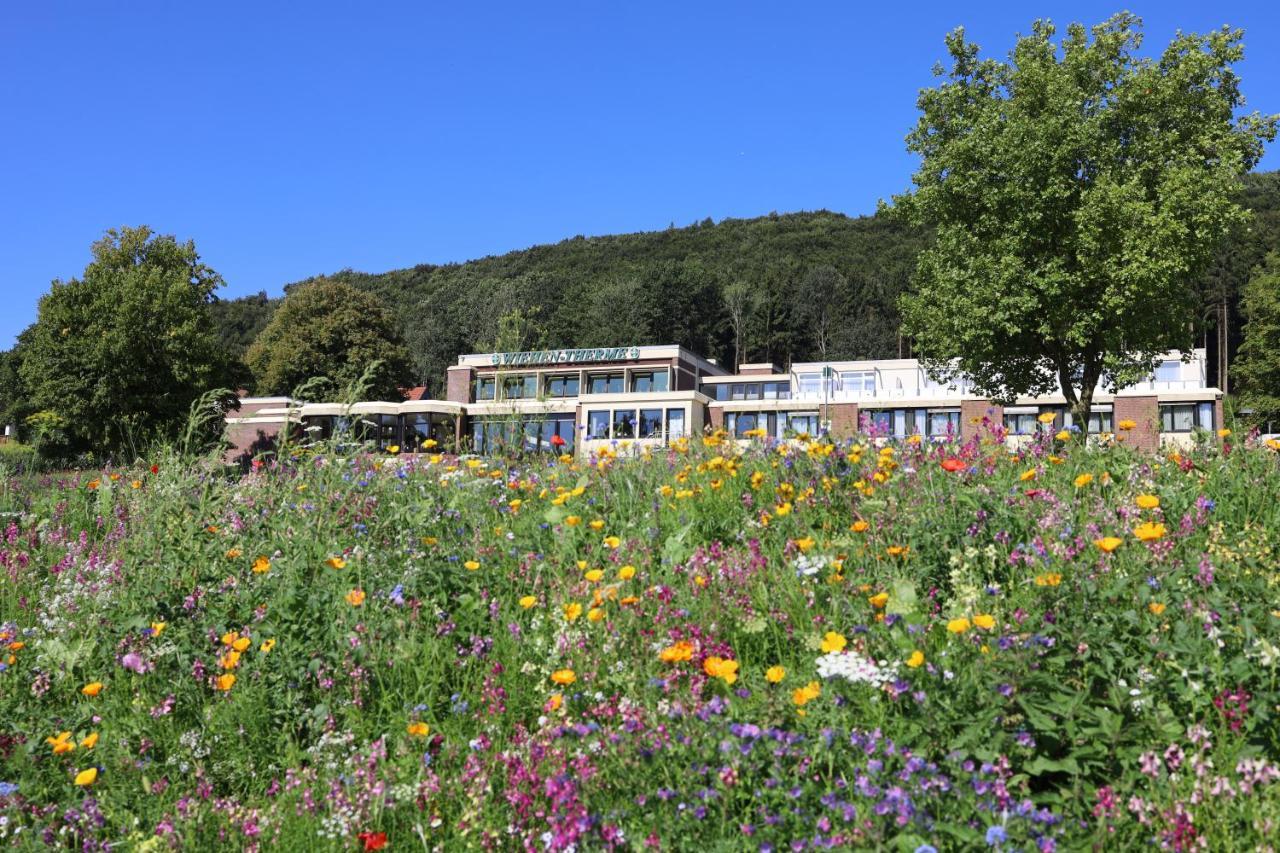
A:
[(777, 390), (421, 426), (1020, 423), (605, 383), (624, 423), (650, 423), (738, 391), (943, 422), (675, 423), (649, 381), (810, 383), (806, 423), (720, 391), (598, 424), (882, 421), (1100, 421), (859, 381), (520, 387), (1168, 371), (485, 388), (1185, 417), (740, 423), (557, 425), (562, 386)]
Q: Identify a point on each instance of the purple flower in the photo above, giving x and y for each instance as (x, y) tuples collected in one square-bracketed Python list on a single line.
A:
[(134, 663)]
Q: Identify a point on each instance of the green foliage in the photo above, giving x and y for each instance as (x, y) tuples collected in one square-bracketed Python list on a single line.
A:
[(329, 328), (1258, 366), (120, 353), (1078, 193)]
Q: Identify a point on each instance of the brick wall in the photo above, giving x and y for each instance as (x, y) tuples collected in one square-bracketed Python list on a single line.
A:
[(758, 370), (1217, 416), (458, 387), (249, 439), (1145, 413), (717, 417), (844, 419), (973, 411)]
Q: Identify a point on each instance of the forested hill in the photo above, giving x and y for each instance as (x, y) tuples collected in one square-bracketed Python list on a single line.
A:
[(774, 280), (790, 287)]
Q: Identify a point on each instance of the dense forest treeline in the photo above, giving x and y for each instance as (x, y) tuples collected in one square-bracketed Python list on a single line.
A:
[(781, 288)]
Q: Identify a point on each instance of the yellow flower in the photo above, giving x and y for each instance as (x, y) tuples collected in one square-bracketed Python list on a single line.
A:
[(393, 448), (612, 541), (515, 504), (681, 651), (564, 677), (1046, 417), (233, 553), (805, 544), (90, 741), (267, 646), (958, 626), (528, 601), (985, 621), (1063, 435), (595, 575), (471, 565), (429, 443), (87, 777), (1147, 501), (93, 688), (896, 550), (596, 524), (230, 660), (136, 484), (595, 614), (626, 573), (1156, 608), (859, 526), (1126, 425), (833, 642), (355, 597), (1108, 543), (722, 668), (61, 743), (782, 509), (804, 695), (157, 628), (916, 659), (230, 637), (572, 611), (1149, 531), (225, 681), (1083, 480), (336, 563), (774, 674), (1050, 579), (418, 729), (1224, 432), (1027, 474), (879, 600), (241, 644)]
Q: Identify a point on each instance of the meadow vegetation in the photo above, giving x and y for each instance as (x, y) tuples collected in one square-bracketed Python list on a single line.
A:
[(812, 644)]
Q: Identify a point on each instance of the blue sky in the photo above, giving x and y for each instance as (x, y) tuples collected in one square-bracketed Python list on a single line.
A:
[(295, 139)]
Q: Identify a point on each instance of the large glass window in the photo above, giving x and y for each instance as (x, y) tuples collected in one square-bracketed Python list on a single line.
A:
[(624, 423), (598, 424), (944, 422), (810, 383), (557, 426), (720, 391), (1168, 371), (675, 423), (1184, 417), (562, 386), (1020, 423), (860, 381), (882, 421), (777, 390), (1100, 421), (605, 383), (643, 382), (520, 387), (650, 425), (740, 423), (419, 427), (485, 387), (804, 423)]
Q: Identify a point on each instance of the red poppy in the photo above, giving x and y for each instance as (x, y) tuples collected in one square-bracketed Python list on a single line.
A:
[(557, 441), (155, 469), (373, 840), (952, 465)]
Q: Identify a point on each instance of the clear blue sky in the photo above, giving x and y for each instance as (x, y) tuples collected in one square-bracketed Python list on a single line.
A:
[(293, 141)]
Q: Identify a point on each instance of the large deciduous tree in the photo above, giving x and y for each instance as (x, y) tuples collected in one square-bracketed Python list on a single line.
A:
[(1258, 363), (1076, 192), (326, 328), (120, 354)]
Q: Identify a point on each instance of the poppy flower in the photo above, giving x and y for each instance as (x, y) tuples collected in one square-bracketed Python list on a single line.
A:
[(834, 642), (336, 563), (722, 668), (804, 695), (959, 626), (879, 600), (373, 840), (355, 597), (916, 659), (557, 441), (1108, 543), (261, 565), (572, 611), (1156, 608), (93, 688), (985, 621), (1147, 501), (626, 573), (225, 681), (774, 674), (155, 469), (90, 741), (564, 677), (1126, 425), (528, 601), (681, 651), (1149, 531), (952, 465), (87, 777), (471, 565), (419, 729)]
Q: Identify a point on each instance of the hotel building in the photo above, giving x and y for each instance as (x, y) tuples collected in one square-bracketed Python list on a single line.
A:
[(578, 400)]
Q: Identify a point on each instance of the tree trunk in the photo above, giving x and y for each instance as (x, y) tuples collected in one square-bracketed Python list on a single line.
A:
[(1225, 346)]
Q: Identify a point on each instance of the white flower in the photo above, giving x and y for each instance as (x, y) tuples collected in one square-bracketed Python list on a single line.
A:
[(854, 667)]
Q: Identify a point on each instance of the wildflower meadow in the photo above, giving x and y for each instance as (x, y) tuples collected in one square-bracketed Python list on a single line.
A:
[(769, 646)]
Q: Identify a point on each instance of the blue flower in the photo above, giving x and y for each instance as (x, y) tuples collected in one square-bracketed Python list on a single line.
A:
[(996, 835), (926, 848)]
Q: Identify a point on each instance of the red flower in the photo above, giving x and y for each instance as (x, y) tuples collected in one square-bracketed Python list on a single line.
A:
[(155, 469), (557, 441), (373, 840), (952, 465)]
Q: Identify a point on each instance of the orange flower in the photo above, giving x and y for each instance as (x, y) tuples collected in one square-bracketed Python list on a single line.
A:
[(804, 695), (336, 563), (355, 598), (774, 674), (985, 621), (572, 611), (879, 600), (681, 651), (859, 526), (225, 681), (1147, 501), (419, 729), (1108, 543), (723, 668), (1156, 608), (90, 741), (261, 565), (834, 642), (93, 688), (1149, 531), (564, 677)]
